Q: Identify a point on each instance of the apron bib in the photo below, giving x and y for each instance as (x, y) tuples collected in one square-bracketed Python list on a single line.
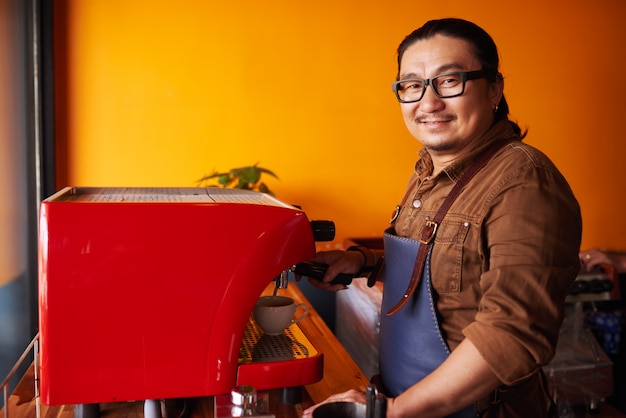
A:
[(411, 343)]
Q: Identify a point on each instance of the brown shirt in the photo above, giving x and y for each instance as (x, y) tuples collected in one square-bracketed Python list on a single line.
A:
[(505, 255)]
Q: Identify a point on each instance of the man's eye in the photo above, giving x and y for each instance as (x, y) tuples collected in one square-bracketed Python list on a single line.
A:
[(412, 86), (449, 81)]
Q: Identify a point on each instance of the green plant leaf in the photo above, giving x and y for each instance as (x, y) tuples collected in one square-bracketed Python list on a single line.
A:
[(246, 178), (250, 174), (223, 179)]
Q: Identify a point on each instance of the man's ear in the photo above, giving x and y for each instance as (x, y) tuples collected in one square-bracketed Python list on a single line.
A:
[(497, 89)]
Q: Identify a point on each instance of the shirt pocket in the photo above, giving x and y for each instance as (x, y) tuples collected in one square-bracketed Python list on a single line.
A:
[(448, 253)]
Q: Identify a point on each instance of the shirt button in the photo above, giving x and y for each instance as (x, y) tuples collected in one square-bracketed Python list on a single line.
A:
[(417, 203), (466, 224)]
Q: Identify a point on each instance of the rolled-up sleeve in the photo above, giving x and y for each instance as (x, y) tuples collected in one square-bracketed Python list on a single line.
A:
[(529, 238)]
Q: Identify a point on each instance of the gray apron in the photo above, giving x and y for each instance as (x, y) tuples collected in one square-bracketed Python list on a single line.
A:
[(411, 343)]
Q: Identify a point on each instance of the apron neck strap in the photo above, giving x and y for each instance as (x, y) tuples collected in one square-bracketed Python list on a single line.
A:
[(430, 227)]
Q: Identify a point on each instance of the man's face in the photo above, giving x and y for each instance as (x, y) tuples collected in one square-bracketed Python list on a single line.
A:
[(449, 126)]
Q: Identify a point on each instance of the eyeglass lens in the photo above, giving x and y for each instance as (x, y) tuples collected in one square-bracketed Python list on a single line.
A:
[(445, 85)]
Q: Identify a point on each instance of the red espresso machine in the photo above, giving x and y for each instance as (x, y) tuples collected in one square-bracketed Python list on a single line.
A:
[(146, 293)]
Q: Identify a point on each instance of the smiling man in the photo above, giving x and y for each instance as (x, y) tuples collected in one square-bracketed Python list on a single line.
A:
[(447, 128), (482, 250)]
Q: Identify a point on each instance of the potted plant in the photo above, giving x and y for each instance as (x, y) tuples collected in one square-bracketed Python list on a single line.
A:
[(246, 178)]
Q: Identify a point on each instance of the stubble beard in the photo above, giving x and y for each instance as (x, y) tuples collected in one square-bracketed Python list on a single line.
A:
[(435, 139)]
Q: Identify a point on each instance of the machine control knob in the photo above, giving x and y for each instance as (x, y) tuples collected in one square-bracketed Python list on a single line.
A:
[(323, 230)]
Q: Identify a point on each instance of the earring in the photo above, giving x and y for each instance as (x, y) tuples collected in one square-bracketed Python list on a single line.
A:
[(495, 109)]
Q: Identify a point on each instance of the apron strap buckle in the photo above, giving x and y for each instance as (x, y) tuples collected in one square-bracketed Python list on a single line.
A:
[(428, 233)]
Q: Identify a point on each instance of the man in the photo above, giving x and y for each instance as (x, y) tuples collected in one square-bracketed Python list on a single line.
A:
[(470, 338)]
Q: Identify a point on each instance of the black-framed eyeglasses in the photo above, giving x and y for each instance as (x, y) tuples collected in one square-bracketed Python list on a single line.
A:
[(445, 85)]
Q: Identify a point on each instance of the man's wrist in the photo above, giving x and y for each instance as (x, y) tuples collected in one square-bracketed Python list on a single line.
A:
[(371, 265), (369, 261)]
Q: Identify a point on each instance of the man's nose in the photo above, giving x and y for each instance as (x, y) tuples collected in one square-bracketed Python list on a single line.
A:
[(430, 100)]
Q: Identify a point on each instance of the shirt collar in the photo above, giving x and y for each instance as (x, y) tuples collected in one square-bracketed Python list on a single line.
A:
[(500, 130)]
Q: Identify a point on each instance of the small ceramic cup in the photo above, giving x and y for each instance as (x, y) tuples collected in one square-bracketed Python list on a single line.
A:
[(275, 313)]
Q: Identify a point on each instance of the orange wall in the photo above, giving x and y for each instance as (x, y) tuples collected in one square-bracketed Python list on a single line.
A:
[(158, 93)]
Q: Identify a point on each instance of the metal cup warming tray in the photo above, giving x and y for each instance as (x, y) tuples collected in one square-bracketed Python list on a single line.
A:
[(278, 361), (292, 344), (272, 362)]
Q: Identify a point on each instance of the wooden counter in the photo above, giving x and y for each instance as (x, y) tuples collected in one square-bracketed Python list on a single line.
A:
[(340, 374)]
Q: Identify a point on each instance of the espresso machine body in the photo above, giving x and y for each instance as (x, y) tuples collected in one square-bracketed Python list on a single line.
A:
[(146, 293)]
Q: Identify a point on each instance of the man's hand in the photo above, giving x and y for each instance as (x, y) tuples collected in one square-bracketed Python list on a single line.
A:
[(338, 262)]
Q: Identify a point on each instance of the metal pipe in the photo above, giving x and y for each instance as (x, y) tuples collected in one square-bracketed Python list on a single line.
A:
[(5, 382)]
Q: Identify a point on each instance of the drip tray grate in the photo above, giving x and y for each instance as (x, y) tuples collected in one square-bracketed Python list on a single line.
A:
[(257, 347)]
